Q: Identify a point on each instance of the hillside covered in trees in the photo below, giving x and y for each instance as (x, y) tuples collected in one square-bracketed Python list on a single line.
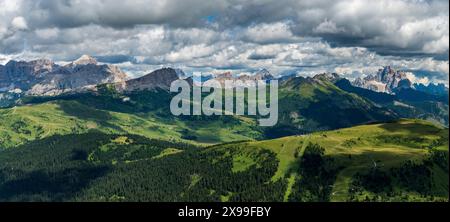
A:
[(399, 161)]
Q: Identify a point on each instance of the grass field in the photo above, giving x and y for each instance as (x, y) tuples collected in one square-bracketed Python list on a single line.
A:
[(361, 149), (26, 123)]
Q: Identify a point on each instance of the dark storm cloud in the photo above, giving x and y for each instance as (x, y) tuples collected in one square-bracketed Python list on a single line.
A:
[(256, 56), (119, 13)]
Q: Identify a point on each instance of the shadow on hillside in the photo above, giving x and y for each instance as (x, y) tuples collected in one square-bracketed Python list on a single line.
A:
[(47, 186), (412, 128), (325, 111), (84, 112)]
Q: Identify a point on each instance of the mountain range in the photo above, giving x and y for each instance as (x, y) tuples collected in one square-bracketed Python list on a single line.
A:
[(45, 78), (386, 80), (433, 89)]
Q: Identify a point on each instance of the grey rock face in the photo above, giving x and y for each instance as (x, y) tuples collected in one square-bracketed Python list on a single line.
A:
[(331, 77), (161, 78), (45, 78), (263, 75), (386, 80), (23, 75)]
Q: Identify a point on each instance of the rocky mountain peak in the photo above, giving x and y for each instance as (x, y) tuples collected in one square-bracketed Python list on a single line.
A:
[(181, 74), (263, 74), (85, 60), (385, 80), (159, 79), (332, 77), (40, 65), (44, 77), (226, 75)]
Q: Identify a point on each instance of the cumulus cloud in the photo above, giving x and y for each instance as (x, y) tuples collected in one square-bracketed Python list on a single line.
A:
[(328, 27), (269, 33), (119, 13), (414, 79), (19, 23), (353, 37), (47, 33)]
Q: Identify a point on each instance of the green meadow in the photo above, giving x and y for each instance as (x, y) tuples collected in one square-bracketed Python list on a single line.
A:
[(359, 150)]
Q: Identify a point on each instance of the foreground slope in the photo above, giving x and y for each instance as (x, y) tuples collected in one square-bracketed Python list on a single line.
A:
[(398, 161), (408, 150)]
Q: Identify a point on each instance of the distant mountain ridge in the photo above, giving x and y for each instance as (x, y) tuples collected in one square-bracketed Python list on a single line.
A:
[(434, 89), (45, 78), (263, 75), (406, 102), (386, 80)]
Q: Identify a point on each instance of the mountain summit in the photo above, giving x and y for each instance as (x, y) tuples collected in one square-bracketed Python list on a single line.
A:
[(45, 78), (159, 79), (85, 60), (386, 80)]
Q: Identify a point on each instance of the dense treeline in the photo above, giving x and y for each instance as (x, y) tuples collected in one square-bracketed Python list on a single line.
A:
[(99, 167), (317, 174), (103, 167), (417, 177)]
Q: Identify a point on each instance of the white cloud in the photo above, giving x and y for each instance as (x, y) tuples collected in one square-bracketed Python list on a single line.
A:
[(48, 33), (4, 59), (269, 33), (415, 79), (19, 23), (328, 27), (437, 46), (189, 53), (432, 65)]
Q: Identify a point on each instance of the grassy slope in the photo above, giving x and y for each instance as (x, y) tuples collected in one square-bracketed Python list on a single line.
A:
[(309, 105), (27, 123), (355, 149), (358, 149)]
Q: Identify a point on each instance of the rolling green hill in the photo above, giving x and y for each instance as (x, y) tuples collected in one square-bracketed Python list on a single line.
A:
[(311, 104), (61, 117), (367, 149), (405, 160)]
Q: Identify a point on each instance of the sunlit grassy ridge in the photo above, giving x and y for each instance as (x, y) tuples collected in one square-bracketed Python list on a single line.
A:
[(361, 149), (22, 124), (405, 160)]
